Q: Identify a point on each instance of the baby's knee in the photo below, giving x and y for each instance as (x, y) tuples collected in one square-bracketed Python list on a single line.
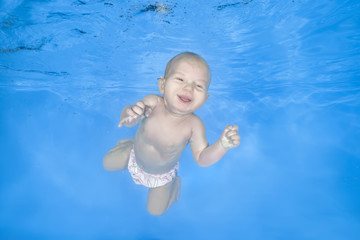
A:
[(156, 205), (106, 163), (156, 210), (112, 162)]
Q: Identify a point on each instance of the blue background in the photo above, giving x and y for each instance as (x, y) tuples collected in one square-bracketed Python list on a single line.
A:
[(286, 72)]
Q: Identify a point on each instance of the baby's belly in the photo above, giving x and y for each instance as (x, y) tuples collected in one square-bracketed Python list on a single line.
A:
[(154, 159)]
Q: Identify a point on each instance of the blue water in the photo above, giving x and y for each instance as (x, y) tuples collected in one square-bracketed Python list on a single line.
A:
[(287, 72)]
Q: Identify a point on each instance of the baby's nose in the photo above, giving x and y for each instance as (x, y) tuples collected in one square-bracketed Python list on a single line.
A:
[(189, 87)]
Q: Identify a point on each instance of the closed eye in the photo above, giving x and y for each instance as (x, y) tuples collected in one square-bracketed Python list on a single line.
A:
[(180, 79)]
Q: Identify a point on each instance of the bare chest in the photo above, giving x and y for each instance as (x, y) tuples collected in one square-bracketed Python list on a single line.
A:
[(159, 131)]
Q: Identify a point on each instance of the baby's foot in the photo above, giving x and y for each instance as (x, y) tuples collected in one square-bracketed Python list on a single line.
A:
[(128, 141)]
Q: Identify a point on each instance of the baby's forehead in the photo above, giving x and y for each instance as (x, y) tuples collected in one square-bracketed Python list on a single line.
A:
[(195, 62), (200, 64)]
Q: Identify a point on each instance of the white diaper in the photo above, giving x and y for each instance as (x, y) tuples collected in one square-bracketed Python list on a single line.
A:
[(147, 179)]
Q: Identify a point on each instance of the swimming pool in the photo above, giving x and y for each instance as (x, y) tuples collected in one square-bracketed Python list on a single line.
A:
[(287, 72)]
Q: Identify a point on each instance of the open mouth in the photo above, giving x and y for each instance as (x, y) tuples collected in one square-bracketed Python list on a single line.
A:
[(184, 99)]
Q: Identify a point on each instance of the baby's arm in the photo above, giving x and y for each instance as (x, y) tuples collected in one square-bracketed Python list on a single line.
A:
[(206, 155), (133, 114)]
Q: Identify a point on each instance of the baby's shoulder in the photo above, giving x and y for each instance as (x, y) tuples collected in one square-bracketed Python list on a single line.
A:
[(152, 97), (195, 121)]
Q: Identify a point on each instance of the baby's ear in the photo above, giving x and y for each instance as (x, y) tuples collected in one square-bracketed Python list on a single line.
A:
[(161, 81)]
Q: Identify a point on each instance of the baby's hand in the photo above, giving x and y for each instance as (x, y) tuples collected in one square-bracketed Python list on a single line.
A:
[(135, 112), (230, 137)]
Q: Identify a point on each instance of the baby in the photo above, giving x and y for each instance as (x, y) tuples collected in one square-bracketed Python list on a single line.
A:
[(167, 125)]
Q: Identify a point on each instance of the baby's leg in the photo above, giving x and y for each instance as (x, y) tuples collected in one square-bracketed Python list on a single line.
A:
[(118, 157), (161, 198)]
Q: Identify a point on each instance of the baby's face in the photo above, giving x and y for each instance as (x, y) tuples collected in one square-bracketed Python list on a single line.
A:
[(185, 87)]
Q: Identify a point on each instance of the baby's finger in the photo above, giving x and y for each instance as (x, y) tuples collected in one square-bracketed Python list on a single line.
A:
[(231, 133), (122, 122), (137, 109), (236, 143), (227, 129), (235, 137), (130, 112), (235, 128), (235, 140), (140, 104)]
